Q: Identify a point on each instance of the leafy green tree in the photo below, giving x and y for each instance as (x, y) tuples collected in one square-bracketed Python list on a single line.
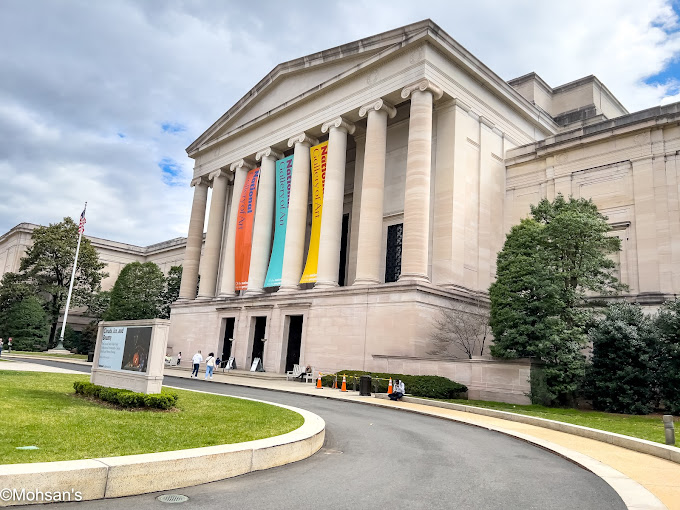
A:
[(621, 376), (48, 264), (99, 303), (26, 323), (172, 284), (668, 355), (538, 301), (137, 294), (13, 289)]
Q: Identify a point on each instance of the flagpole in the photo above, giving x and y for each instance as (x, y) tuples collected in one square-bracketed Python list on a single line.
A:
[(81, 229)]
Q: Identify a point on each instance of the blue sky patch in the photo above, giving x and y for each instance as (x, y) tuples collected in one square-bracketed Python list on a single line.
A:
[(172, 172), (173, 127), (121, 135)]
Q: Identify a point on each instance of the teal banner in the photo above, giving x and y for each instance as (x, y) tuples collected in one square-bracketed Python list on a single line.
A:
[(284, 170)]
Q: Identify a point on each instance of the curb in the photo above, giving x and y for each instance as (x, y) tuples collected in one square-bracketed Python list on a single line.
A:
[(666, 452), (113, 477)]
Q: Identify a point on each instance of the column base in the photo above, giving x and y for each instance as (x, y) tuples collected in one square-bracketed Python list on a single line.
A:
[(366, 281), (254, 292), (204, 298), (326, 285), (416, 278), (288, 289), (226, 296)]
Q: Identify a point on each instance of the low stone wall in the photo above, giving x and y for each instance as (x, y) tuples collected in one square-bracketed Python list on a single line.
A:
[(486, 379), (114, 477)]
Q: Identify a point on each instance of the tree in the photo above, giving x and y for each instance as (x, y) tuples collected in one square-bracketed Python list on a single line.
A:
[(621, 376), (99, 303), (668, 355), (26, 323), (461, 328), (172, 284), (48, 264), (137, 294), (13, 289), (538, 301)]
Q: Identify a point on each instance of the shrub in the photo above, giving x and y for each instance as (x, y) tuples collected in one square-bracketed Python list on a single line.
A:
[(430, 386), (621, 376), (25, 321), (668, 371), (126, 398)]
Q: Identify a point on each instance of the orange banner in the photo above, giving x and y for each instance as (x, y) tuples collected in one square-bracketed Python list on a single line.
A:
[(244, 228)]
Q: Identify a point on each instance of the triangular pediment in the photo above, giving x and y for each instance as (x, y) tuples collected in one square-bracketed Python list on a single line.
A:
[(295, 78)]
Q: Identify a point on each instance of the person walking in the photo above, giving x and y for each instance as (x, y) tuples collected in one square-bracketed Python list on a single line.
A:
[(179, 357), (0, 346), (197, 360), (209, 366)]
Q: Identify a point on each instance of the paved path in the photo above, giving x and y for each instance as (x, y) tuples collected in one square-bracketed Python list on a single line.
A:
[(378, 458)]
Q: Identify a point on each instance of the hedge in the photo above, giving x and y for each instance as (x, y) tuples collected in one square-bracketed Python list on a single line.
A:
[(126, 398), (430, 386)]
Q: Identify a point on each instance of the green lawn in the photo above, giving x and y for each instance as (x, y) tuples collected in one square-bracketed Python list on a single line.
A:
[(33, 353), (643, 427), (42, 409)]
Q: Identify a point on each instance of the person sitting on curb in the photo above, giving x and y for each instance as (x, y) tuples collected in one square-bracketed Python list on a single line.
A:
[(398, 390), (197, 359)]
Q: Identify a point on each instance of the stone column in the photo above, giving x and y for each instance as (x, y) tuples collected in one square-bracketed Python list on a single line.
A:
[(372, 190), (333, 201), (192, 255), (297, 213), (264, 221), (213, 238), (228, 284), (415, 247)]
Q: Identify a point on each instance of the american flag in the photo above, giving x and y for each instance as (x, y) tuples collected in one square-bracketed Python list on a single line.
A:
[(81, 227)]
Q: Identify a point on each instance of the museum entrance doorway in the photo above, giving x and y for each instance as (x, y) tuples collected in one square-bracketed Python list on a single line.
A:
[(258, 335), (294, 341), (228, 338)]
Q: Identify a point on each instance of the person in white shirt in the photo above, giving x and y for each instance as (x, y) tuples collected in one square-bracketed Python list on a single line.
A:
[(398, 390), (197, 359), (209, 365)]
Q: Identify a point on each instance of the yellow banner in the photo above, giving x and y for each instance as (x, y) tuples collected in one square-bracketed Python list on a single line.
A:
[(318, 155)]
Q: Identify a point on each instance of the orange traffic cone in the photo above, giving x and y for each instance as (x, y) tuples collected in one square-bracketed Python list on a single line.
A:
[(344, 383), (318, 382), (389, 386), (335, 383)]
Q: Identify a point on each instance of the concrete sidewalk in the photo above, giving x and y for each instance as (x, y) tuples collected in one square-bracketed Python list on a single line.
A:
[(659, 476)]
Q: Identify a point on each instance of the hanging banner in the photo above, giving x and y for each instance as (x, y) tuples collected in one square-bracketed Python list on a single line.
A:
[(319, 155), (284, 171), (244, 228)]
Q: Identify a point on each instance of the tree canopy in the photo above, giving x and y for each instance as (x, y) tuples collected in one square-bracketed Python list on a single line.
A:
[(138, 293), (539, 305), (48, 264)]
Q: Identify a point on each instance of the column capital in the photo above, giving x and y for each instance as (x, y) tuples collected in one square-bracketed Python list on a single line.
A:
[(339, 123), (222, 172), (422, 86), (197, 181), (268, 152), (302, 138), (377, 105), (241, 163)]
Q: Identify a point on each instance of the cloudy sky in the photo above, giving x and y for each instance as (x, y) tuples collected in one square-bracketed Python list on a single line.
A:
[(98, 100)]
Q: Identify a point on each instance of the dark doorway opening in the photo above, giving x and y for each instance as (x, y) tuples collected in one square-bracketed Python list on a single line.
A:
[(294, 341), (258, 335), (228, 335), (343, 250), (395, 235)]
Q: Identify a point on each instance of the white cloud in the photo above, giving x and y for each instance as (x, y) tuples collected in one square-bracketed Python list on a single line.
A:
[(81, 74)]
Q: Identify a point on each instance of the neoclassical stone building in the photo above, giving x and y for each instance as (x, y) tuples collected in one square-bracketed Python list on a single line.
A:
[(431, 158)]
